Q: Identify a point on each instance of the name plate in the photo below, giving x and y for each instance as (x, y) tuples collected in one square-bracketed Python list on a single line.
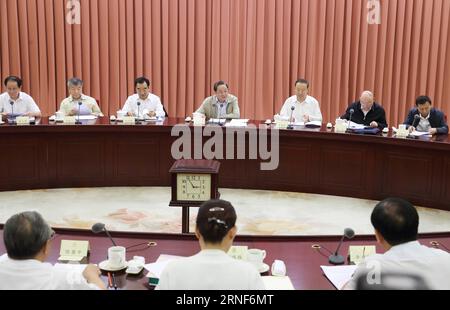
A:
[(73, 250), (238, 252), (22, 120), (358, 253), (340, 128), (129, 120), (70, 120), (281, 124), (402, 133), (199, 121)]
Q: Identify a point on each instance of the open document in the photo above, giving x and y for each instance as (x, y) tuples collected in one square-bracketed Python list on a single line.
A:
[(339, 275)]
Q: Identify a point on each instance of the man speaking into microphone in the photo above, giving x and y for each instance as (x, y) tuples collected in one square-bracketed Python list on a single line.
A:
[(221, 105), (306, 108)]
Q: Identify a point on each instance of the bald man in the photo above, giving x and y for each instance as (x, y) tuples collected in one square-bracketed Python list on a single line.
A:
[(367, 112)]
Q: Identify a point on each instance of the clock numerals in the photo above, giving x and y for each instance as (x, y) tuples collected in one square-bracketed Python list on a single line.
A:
[(193, 187)]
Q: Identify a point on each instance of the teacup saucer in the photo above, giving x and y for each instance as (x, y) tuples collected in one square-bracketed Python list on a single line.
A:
[(263, 268), (105, 266)]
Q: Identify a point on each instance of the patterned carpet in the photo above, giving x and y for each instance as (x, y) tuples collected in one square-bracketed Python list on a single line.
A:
[(144, 209)]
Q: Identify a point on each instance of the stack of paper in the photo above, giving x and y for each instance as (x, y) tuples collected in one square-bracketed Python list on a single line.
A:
[(237, 123), (155, 269), (278, 283), (339, 275), (419, 134), (356, 126)]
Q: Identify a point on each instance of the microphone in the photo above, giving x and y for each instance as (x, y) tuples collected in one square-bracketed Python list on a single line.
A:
[(139, 112), (220, 114), (337, 259), (78, 122), (100, 227), (12, 112), (350, 118), (291, 125), (416, 120)]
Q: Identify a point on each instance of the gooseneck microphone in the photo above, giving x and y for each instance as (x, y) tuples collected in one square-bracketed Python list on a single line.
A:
[(78, 122), (351, 112), (138, 122), (100, 227), (335, 258), (12, 119), (416, 120), (291, 125)]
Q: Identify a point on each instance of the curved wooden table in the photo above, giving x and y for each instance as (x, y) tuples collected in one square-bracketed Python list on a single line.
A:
[(320, 161), (302, 262)]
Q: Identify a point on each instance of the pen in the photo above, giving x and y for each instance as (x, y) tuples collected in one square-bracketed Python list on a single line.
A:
[(114, 281), (110, 280), (364, 250)]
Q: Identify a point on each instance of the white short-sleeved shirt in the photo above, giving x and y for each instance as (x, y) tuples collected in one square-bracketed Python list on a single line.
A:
[(310, 106), (210, 270), (24, 104), (433, 265), (151, 104), (34, 275)]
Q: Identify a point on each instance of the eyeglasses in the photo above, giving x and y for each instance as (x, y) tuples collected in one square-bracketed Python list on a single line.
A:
[(52, 235)]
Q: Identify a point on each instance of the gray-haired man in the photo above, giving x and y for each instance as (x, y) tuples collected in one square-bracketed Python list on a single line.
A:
[(70, 106), (27, 239)]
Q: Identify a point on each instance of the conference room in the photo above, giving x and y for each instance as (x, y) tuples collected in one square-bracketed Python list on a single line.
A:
[(225, 145)]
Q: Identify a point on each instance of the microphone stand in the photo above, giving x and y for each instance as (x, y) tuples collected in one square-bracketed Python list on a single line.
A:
[(337, 259), (78, 122), (350, 120), (12, 119), (291, 125), (138, 122)]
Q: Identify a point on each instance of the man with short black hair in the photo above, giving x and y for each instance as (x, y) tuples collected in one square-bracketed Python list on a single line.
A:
[(70, 106), (430, 120), (396, 224), (301, 106), (143, 104), (27, 239), (14, 102), (221, 105)]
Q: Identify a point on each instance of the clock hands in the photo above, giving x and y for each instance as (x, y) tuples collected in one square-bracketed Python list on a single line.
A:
[(193, 186)]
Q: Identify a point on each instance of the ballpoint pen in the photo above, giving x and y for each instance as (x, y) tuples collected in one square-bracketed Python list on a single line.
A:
[(114, 281), (110, 283)]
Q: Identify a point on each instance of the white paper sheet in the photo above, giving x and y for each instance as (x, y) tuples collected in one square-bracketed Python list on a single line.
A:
[(356, 126), (278, 283), (419, 133), (155, 269), (339, 275)]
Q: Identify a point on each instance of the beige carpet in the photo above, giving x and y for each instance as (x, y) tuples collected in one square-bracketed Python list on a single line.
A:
[(144, 209)]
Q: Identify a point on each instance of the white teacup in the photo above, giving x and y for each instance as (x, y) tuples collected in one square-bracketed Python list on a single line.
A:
[(121, 115), (116, 257), (256, 257), (402, 127), (59, 116)]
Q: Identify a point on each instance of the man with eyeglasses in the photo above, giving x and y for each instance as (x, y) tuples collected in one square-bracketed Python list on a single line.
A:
[(27, 239)]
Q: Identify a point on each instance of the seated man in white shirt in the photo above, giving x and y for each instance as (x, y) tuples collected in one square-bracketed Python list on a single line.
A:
[(212, 268), (396, 223), (27, 239), (14, 102), (301, 106), (70, 106), (143, 104)]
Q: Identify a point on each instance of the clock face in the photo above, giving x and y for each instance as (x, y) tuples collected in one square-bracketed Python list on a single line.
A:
[(193, 187)]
